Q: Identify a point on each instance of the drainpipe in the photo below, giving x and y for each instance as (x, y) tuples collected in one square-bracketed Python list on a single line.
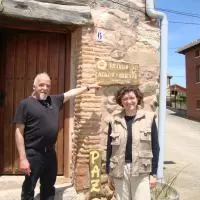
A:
[(151, 12)]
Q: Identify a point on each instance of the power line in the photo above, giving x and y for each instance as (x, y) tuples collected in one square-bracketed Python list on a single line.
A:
[(179, 76), (140, 9), (181, 22), (189, 14), (166, 10)]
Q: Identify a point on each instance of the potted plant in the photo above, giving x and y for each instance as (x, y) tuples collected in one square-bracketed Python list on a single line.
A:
[(165, 190)]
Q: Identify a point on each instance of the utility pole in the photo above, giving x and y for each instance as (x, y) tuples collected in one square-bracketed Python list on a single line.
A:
[(175, 94)]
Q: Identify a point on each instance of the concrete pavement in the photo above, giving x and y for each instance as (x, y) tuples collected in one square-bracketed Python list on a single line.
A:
[(182, 148), (10, 189)]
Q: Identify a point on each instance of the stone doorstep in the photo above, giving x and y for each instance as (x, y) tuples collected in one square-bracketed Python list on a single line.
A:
[(11, 189)]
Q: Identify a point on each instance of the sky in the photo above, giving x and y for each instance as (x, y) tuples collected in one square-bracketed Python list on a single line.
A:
[(180, 34)]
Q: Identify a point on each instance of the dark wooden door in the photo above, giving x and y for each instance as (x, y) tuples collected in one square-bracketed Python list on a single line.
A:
[(23, 55)]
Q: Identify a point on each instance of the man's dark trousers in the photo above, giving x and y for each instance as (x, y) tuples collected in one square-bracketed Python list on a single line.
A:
[(44, 166)]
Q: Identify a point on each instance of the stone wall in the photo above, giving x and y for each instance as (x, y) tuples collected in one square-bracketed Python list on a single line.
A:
[(128, 35)]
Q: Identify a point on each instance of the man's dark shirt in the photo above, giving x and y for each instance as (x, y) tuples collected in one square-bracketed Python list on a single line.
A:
[(41, 120), (128, 153)]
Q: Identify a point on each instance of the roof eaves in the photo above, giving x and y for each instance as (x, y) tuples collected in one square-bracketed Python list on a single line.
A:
[(188, 46)]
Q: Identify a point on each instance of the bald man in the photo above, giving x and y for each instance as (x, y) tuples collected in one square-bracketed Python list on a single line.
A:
[(37, 124)]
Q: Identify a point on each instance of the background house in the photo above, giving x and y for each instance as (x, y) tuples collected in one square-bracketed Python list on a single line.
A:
[(178, 96), (192, 61)]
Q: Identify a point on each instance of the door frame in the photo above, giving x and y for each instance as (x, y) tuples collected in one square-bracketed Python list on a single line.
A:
[(2, 86), (52, 28)]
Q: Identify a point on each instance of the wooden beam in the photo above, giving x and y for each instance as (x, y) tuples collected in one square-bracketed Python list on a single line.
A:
[(14, 23), (66, 2), (76, 14)]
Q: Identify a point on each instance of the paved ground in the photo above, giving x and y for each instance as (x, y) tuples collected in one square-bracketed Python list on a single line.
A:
[(10, 189), (183, 148)]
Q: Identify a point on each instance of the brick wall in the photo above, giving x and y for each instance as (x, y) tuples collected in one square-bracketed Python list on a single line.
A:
[(87, 111), (193, 88)]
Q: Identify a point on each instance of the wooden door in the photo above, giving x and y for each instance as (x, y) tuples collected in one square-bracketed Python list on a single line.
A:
[(23, 55)]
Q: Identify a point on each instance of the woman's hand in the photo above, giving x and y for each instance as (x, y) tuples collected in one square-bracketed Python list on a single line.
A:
[(152, 181), (111, 182)]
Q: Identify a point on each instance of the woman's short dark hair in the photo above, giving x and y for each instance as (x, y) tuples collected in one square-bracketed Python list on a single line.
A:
[(126, 89)]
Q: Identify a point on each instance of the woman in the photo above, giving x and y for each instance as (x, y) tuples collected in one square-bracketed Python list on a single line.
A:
[(132, 148)]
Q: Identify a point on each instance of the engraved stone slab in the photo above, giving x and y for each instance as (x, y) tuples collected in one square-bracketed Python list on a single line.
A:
[(110, 72)]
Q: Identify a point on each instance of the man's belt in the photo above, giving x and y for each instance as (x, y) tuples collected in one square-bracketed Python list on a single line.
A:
[(47, 148)]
